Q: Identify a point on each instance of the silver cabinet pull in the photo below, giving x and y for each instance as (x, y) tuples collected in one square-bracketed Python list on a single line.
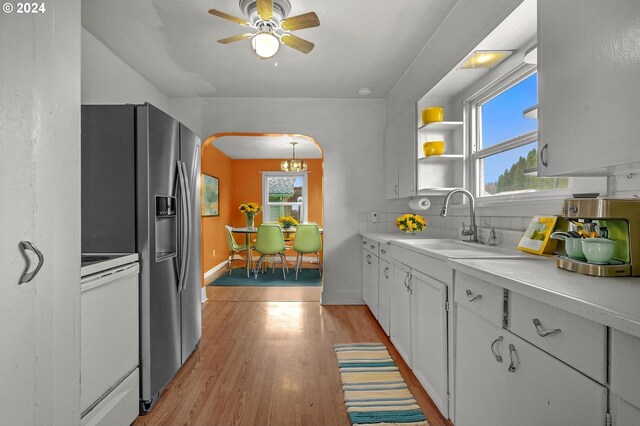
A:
[(383, 251), (541, 331), (543, 157), (373, 246), (369, 259), (409, 283), (515, 362), (493, 348), (26, 275), (396, 190), (471, 297), (386, 272)]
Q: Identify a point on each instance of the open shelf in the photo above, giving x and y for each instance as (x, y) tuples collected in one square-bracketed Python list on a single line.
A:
[(440, 126), (435, 191), (441, 157)]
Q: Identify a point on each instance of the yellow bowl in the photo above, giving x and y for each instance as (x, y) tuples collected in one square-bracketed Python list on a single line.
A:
[(432, 114), (433, 148)]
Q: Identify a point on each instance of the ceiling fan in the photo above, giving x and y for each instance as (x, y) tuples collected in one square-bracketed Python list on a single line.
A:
[(269, 19)]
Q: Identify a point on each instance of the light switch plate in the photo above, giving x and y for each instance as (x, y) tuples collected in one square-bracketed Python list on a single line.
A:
[(374, 217)]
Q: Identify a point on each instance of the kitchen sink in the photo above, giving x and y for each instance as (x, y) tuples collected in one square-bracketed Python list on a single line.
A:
[(454, 249)]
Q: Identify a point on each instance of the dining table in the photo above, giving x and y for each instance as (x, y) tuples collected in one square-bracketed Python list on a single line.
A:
[(247, 231)]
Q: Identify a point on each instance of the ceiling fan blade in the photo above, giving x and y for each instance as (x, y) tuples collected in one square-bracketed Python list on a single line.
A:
[(265, 9), (229, 17), (300, 22), (235, 38), (297, 43)]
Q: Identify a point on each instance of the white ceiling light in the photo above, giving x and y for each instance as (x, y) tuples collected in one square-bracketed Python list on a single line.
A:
[(485, 58), (365, 91), (265, 44)]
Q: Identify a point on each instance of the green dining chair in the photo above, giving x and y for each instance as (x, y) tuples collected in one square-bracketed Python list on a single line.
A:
[(307, 241), (235, 249), (270, 243)]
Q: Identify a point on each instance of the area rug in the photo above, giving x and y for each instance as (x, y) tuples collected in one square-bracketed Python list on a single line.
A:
[(374, 391), (306, 278)]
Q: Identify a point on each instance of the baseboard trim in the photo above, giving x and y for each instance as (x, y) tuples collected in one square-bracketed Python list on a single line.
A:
[(340, 298), (212, 274)]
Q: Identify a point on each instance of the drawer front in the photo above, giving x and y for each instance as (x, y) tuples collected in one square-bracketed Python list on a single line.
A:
[(385, 252), (427, 265), (371, 246), (481, 297), (579, 342), (625, 366), (120, 407), (624, 413)]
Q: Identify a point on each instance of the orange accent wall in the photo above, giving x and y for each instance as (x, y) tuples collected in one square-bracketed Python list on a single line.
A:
[(241, 182), (216, 163), (248, 187)]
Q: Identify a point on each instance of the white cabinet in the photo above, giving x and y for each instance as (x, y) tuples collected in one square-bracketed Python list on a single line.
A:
[(503, 380), (401, 310), (391, 170), (408, 153), (429, 337), (370, 281), (625, 378), (400, 155), (385, 275), (588, 85)]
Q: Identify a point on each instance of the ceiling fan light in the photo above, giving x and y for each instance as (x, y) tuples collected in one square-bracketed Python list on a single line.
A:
[(265, 44)]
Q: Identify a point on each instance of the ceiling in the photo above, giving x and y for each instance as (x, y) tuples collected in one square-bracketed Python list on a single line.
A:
[(518, 30), (265, 147), (360, 43)]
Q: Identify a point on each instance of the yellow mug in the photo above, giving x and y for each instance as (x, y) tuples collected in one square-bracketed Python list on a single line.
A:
[(432, 114), (433, 148)]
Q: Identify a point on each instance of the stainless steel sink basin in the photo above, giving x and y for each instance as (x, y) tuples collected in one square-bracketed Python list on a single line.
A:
[(453, 249)]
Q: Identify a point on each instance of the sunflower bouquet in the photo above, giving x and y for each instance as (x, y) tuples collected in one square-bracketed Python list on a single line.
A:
[(251, 210), (287, 221), (411, 222)]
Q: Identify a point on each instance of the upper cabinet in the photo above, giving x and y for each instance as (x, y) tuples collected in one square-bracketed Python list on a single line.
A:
[(589, 85), (400, 156)]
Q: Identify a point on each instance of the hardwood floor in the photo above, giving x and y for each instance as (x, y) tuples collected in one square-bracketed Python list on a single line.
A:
[(271, 363)]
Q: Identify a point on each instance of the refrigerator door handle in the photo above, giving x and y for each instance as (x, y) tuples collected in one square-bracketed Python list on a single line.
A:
[(184, 231), (189, 226)]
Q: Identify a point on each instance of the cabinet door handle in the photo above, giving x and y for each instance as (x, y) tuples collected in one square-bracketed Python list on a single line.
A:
[(409, 276), (373, 247), (386, 272), (493, 348), (541, 331), (515, 362), (369, 259), (471, 297), (383, 251), (26, 275), (396, 190), (543, 157)]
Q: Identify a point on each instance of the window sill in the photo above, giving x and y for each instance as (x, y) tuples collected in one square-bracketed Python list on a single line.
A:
[(530, 205)]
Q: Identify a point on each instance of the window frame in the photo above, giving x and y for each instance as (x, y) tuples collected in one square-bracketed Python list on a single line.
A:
[(266, 212), (472, 111)]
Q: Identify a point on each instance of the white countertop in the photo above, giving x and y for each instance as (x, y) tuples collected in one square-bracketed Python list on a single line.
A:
[(387, 237), (614, 302)]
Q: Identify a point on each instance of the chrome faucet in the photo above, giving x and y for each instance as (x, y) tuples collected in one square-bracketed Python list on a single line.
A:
[(472, 232)]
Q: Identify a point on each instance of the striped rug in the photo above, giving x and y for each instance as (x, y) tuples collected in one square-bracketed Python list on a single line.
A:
[(374, 391)]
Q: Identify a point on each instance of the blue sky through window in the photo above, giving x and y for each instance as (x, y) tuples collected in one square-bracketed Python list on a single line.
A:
[(502, 120)]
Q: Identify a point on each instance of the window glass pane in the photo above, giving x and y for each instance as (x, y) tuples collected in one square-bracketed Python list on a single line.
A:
[(285, 189), (502, 118), (505, 172), (276, 212)]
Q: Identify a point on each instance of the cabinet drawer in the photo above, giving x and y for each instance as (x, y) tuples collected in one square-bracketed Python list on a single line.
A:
[(483, 298), (625, 366), (427, 265), (371, 246), (385, 252), (579, 342)]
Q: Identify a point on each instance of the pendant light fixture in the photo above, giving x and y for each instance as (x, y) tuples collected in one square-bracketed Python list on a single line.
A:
[(293, 165)]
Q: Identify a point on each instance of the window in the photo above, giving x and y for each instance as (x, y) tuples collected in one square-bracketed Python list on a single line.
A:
[(504, 144), (284, 194)]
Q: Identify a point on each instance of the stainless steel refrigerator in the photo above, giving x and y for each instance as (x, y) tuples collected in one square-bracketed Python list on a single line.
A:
[(141, 193)]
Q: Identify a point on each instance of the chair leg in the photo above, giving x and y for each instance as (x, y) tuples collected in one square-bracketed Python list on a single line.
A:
[(230, 262), (284, 262), (319, 264), (258, 267), (298, 264)]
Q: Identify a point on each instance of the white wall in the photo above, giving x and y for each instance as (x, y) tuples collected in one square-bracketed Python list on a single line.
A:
[(350, 132), (106, 79), (468, 23)]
